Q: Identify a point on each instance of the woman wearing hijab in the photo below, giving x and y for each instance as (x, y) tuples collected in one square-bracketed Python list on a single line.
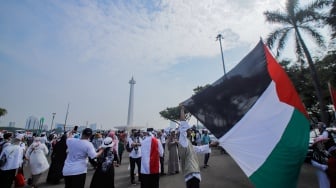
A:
[(57, 157), (104, 174), (38, 163), (173, 160), (115, 146)]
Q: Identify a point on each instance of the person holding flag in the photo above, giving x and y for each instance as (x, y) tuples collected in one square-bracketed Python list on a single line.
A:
[(187, 151)]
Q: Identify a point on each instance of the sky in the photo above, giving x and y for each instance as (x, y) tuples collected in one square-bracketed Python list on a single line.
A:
[(83, 53)]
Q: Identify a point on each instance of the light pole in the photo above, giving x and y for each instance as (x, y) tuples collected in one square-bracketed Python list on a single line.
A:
[(66, 116), (220, 37), (52, 121)]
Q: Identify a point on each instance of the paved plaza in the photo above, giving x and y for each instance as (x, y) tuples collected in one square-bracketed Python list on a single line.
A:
[(223, 172)]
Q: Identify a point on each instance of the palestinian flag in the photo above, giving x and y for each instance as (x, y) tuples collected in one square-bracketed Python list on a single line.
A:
[(258, 118)]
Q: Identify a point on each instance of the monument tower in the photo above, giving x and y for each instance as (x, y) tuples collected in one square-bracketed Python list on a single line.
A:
[(130, 103)]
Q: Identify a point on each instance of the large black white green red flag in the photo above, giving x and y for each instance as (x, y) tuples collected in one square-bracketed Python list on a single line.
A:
[(259, 119)]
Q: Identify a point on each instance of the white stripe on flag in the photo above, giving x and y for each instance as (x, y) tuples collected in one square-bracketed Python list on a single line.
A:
[(254, 137)]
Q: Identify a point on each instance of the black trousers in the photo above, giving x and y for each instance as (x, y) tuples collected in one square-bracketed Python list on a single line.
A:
[(134, 161), (75, 181), (120, 156), (206, 158), (193, 183), (162, 158), (7, 177), (150, 181), (162, 164)]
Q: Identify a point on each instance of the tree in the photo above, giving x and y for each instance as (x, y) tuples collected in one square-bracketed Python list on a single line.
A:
[(3, 112), (331, 20), (299, 19), (173, 113), (326, 68)]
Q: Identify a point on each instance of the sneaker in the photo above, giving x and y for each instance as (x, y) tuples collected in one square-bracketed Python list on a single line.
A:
[(133, 183)]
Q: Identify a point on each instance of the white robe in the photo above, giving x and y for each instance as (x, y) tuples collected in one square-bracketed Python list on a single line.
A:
[(36, 154)]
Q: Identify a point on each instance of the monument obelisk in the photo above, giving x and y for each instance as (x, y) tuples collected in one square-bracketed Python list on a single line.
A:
[(130, 103)]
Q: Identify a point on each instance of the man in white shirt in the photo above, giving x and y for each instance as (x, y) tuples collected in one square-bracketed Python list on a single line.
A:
[(75, 165), (14, 154), (162, 136), (135, 154)]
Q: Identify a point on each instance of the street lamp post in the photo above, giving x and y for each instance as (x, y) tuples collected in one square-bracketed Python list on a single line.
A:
[(220, 37), (52, 121), (66, 117)]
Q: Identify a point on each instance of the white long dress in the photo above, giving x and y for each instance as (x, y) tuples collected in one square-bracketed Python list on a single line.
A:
[(36, 154)]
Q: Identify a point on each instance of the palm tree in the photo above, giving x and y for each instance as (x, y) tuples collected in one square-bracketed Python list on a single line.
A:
[(294, 20), (3, 112), (331, 20)]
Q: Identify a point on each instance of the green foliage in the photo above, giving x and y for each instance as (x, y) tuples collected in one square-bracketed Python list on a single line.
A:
[(200, 88), (3, 112), (301, 78), (173, 114), (331, 19)]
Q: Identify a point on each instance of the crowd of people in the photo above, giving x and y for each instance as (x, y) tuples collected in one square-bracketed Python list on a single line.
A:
[(324, 157), (72, 152)]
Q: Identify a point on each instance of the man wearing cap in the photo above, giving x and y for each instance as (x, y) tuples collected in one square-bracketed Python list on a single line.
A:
[(135, 154), (152, 150), (189, 160), (75, 165)]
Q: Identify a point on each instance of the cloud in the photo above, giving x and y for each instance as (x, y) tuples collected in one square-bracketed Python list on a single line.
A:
[(84, 52), (139, 34)]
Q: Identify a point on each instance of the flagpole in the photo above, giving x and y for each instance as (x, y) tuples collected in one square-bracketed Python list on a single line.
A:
[(66, 116), (220, 37)]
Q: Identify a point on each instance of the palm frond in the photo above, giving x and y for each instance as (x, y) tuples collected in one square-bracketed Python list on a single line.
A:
[(298, 50), (272, 37), (282, 35), (291, 6), (319, 4), (318, 38), (282, 40), (276, 17), (304, 16)]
